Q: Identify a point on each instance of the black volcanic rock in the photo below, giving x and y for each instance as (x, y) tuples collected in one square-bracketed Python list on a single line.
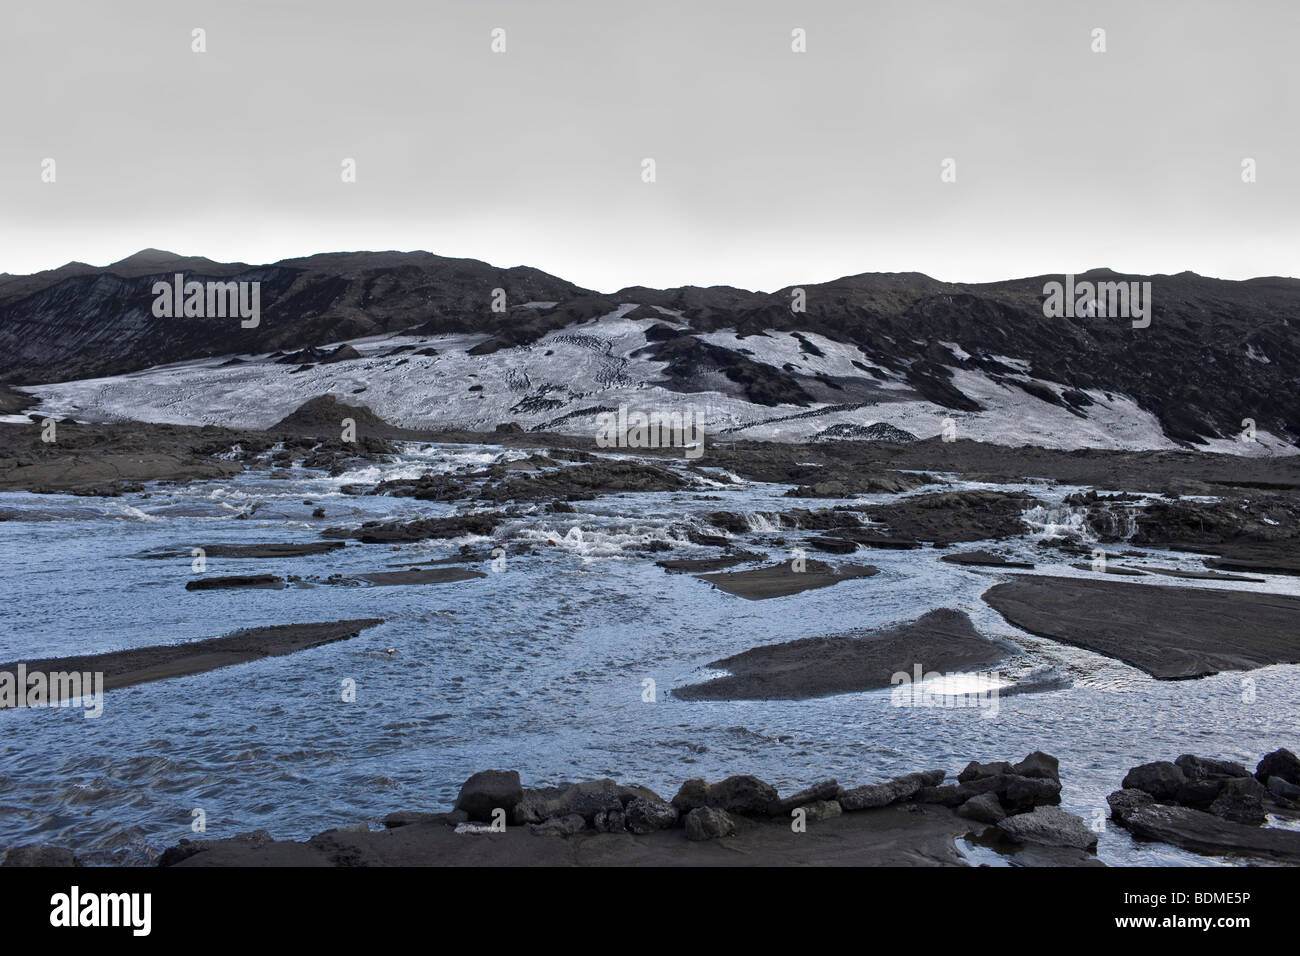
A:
[(322, 417)]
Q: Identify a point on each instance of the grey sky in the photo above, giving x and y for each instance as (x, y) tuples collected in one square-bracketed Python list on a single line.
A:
[(772, 167)]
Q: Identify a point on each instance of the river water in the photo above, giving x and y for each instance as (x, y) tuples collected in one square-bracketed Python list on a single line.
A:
[(542, 667)]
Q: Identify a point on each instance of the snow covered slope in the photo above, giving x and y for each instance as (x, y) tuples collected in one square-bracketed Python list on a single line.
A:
[(564, 379)]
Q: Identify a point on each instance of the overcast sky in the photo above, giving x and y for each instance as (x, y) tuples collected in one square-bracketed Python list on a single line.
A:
[(772, 167)]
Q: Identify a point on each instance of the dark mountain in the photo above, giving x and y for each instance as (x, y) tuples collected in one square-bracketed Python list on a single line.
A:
[(78, 321), (1216, 352)]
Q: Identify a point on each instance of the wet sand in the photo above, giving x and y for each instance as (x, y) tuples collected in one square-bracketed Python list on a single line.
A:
[(890, 836), (144, 664), (422, 576), (268, 550), (234, 581), (781, 580), (943, 640), (1172, 633)]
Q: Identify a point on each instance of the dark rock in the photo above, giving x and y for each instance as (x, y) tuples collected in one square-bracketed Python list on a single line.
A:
[(1201, 768), (826, 790), (1281, 788), (646, 816), (397, 532), (1123, 802), (984, 808), (1040, 765), (181, 852), (39, 854), (1280, 763), (1026, 793), (708, 823), (692, 794), (831, 545), (984, 558), (975, 770), (1199, 793), (874, 795), (585, 799), (487, 790), (235, 581), (743, 794), (1241, 800), (1203, 832), (947, 796), (609, 821), (1049, 826), (1161, 779)]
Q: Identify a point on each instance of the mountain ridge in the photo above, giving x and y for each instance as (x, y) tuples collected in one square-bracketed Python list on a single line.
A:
[(1217, 351)]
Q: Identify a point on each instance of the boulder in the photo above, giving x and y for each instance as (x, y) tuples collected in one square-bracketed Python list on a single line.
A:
[(982, 809), (647, 816), (1039, 765), (1199, 793), (1281, 788), (1206, 833), (1049, 826), (947, 796), (692, 794), (1241, 800), (874, 795), (1280, 763), (38, 854), (1027, 793), (1203, 768), (1124, 802), (487, 790), (708, 823), (743, 794), (826, 790), (609, 821), (976, 771), (585, 799), (1160, 779)]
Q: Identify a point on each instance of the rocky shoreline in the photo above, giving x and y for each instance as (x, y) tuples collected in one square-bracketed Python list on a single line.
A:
[(1206, 806)]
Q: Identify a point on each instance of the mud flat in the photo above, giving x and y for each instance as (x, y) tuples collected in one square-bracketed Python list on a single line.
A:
[(234, 581), (945, 640), (422, 576), (891, 836), (1172, 633), (291, 549), (781, 580), (144, 664)]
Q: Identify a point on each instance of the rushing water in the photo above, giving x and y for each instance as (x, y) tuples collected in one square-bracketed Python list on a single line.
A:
[(540, 668)]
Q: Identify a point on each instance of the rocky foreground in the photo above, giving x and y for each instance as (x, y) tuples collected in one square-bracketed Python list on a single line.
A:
[(1206, 806)]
